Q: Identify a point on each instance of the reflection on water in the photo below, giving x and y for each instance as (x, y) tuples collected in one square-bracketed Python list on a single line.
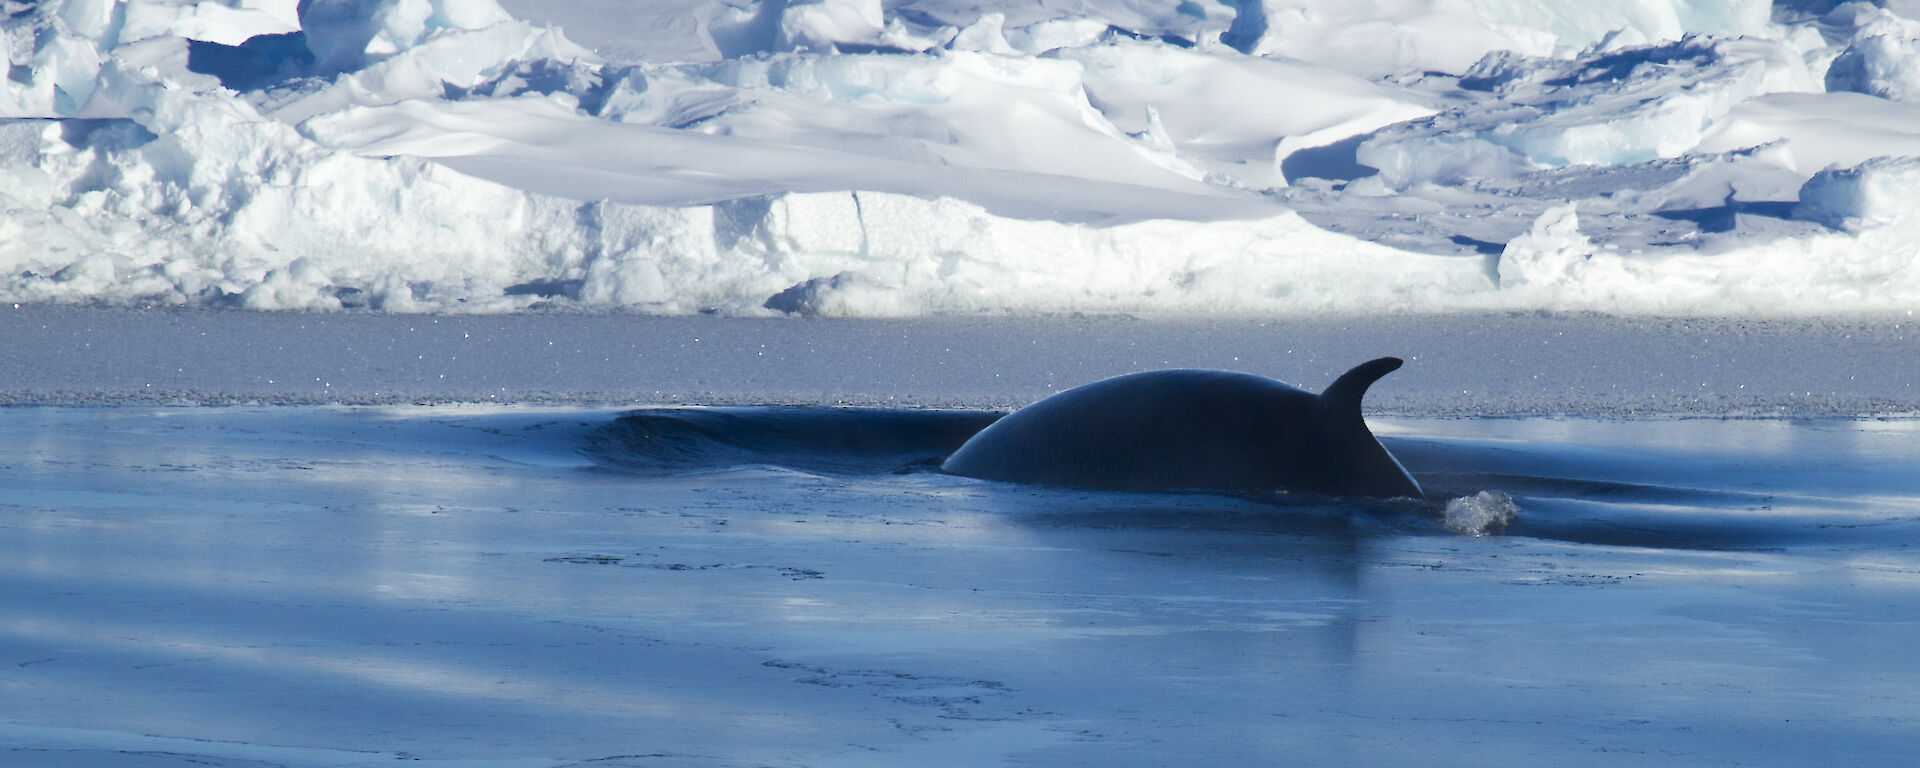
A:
[(1684, 483), (460, 582)]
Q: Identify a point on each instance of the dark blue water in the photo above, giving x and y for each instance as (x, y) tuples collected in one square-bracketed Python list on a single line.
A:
[(1690, 484), (761, 584)]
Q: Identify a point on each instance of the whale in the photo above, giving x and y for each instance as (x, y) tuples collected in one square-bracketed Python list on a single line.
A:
[(1186, 429)]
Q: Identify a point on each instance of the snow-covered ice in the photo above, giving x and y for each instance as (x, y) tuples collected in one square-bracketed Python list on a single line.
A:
[(325, 323), (913, 157)]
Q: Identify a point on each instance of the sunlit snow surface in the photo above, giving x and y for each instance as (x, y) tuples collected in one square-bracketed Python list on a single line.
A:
[(1648, 541), (905, 157)]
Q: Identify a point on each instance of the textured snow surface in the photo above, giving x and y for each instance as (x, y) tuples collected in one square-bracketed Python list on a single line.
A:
[(868, 158)]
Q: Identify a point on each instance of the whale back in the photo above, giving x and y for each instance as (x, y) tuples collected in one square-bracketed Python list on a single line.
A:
[(1192, 429), (1157, 430)]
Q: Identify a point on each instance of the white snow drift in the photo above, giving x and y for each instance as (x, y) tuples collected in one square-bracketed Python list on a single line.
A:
[(908, 157)]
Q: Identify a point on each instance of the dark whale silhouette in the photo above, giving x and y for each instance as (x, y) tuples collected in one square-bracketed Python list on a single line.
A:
[(1193, 429)]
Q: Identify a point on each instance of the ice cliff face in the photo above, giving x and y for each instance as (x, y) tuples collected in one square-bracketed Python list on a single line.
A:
[(912, 157)]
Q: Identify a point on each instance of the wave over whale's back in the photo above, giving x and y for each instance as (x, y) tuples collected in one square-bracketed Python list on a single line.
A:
[(810, 438)]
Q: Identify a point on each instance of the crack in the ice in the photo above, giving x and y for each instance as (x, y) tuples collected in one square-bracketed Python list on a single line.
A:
[(792, 572), (936, 692)]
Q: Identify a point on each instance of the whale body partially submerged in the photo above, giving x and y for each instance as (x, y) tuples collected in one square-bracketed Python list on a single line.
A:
[(1194, 429)]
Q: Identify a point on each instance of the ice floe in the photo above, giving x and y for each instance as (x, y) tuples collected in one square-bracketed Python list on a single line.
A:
[(865, 158)]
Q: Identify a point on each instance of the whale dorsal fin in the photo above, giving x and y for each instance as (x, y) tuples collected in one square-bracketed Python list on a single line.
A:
[(1353, 461), (1342, 398)]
